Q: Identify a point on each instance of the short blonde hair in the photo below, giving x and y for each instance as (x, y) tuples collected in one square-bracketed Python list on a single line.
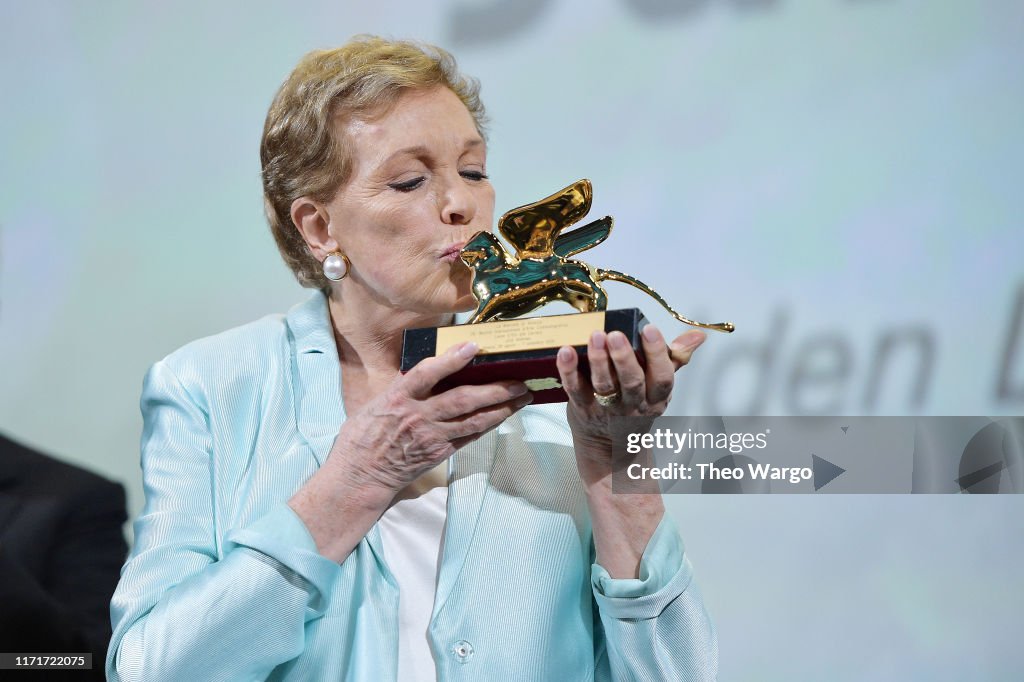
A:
[(302, 154)]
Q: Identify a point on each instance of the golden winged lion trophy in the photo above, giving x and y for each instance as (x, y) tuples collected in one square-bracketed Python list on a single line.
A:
[(542, 270)]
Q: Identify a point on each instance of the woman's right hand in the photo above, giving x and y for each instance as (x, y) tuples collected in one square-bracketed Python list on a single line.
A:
[(398, 436), (406, 431)]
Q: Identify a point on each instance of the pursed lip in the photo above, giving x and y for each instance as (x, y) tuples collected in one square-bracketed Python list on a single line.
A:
[(451, 254)]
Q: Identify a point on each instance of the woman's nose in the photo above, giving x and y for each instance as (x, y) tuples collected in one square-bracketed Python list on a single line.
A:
[(458, 204)]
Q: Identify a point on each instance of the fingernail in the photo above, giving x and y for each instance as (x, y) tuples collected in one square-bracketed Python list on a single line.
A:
[(651, 333), (468, 350), (517, 389), (617, 340), (597, 340), (525, 400), (564, 354)]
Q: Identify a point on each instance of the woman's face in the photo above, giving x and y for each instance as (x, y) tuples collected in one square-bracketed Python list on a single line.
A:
[(417, 192)]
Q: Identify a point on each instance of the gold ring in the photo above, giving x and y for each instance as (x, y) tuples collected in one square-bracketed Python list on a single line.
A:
[(607, 400)]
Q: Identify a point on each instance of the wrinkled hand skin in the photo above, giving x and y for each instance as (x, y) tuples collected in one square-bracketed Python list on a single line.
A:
[(646, 392), (407, 431), (623, 523), (397, 437)]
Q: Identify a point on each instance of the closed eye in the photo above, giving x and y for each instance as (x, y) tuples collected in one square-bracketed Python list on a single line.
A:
[(408, 185), (476, 176)]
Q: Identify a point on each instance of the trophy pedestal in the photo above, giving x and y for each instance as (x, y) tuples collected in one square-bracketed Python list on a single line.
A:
[(522, 349)]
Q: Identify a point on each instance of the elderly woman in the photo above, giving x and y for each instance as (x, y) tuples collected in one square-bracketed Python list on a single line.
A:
[(436, 535)]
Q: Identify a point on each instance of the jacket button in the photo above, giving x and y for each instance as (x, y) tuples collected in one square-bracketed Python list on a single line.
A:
[(463, 651)]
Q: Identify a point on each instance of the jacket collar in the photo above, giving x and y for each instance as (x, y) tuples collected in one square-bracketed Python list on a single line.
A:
[(316, 374), (310, 325)]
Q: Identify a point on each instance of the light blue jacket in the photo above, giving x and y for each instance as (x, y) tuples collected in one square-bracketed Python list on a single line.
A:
[(224, 581)]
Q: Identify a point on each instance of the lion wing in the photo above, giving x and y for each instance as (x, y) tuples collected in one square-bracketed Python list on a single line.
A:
[(532, 229)]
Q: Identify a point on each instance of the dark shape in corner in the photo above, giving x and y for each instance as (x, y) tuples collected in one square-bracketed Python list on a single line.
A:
[(992, 449)]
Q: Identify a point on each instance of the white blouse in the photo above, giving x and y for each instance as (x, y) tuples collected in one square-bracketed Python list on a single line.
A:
[(412, 530)]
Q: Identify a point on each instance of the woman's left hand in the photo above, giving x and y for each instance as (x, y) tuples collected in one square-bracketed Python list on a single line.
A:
[(622, 524), (614, 371)]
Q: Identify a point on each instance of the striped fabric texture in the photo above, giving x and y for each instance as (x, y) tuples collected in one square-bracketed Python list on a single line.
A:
[(224, 581)]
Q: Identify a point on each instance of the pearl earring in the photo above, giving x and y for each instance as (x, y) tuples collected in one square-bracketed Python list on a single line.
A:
[(336, 266)]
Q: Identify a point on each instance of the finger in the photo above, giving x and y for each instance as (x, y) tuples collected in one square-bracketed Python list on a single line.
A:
[(460, 443), (632, 382), (483, 419), (660, 372), (601, 377), (463, 441), (684, 345), (421, 379), (467, 399), (575, 384)]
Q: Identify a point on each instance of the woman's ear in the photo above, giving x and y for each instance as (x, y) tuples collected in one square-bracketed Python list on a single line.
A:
[(311, 220)]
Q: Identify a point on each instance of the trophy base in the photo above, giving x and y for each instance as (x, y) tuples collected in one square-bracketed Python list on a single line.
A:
[(523, 349)]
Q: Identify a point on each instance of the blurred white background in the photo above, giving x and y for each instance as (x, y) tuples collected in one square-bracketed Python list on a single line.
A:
[(840, 178)]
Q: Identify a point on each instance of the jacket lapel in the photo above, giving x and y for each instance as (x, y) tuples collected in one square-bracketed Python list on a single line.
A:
[(316, 374), (467, 486), (316, 385)]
